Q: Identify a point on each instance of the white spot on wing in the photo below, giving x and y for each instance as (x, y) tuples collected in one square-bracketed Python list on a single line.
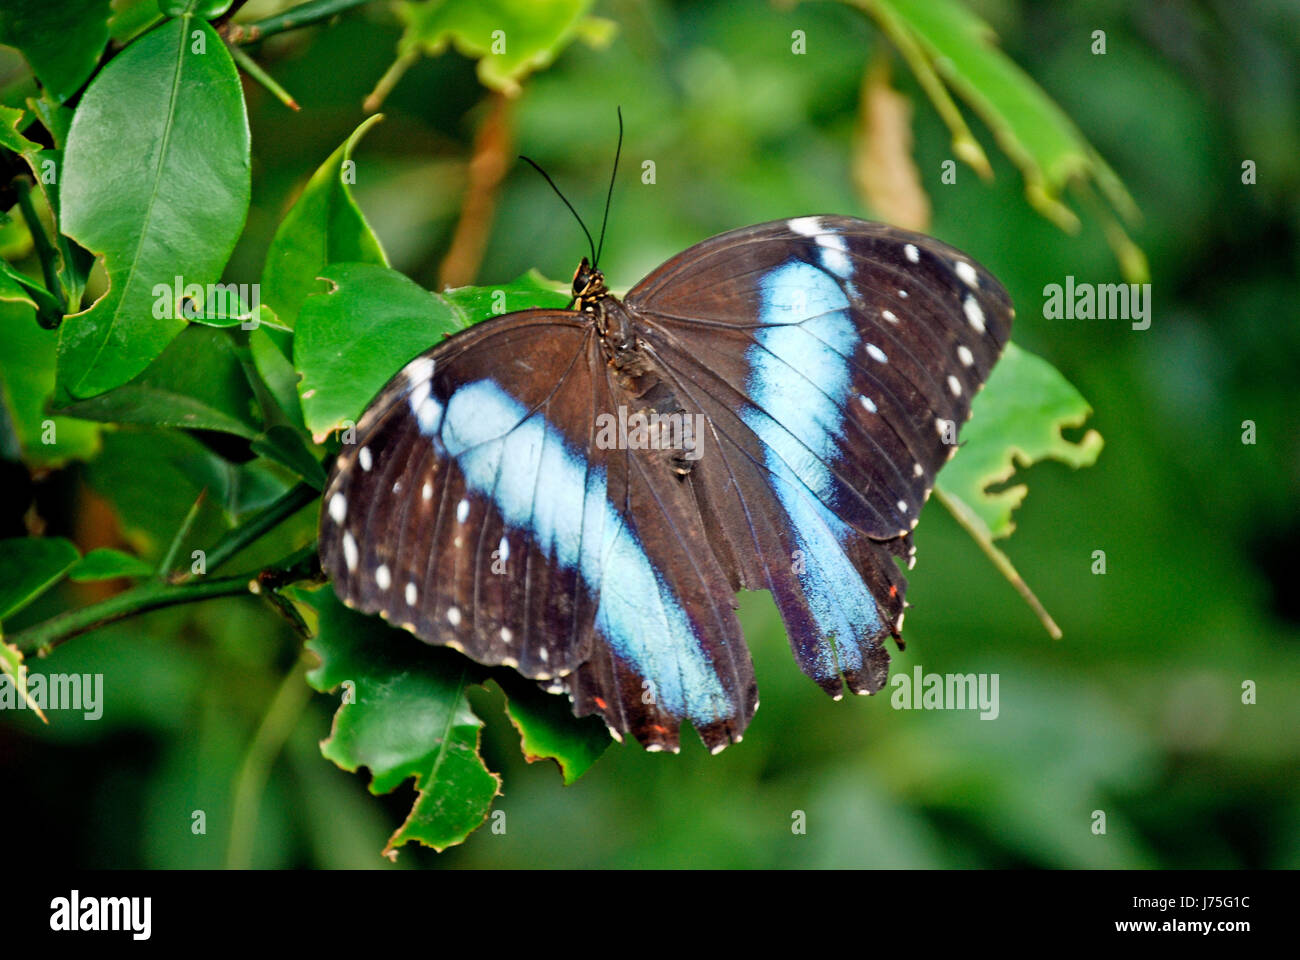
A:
[(913, 254), (506, 635), (967, 273), (338, 507), (902, 506), (427, 492), (411, 594), (363, 458), (876, 353), (965, 356), (350, 550), (383, 579), (805, 226), (462, 511), (453, 616), (974, 314), (868, 403), (889, 315), (504, 548), (419, 370), (954, 385)]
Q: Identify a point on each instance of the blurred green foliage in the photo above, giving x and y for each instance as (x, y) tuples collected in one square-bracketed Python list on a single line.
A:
[(1137, 711)]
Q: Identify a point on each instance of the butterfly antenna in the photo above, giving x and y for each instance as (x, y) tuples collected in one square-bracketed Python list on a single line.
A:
[(590, 244), (618, 152)]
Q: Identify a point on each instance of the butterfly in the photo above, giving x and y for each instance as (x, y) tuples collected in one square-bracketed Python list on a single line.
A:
[(579, 494)]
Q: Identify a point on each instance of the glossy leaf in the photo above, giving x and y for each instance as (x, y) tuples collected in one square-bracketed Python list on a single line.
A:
[(29, 566), (61, 39), (1016, 421), (395, 319), (324, 226), (197, 383), (156, 180), (405, 716)]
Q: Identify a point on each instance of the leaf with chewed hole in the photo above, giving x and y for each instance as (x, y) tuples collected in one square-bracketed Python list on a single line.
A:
[(353, 338), (548, 730), (156, 181), (1016, 421), (405, 715), (324, 226)]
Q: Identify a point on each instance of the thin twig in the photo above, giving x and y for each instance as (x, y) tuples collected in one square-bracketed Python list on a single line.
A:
[(979, 531), (487, 168), (150, 595), (303, 15)]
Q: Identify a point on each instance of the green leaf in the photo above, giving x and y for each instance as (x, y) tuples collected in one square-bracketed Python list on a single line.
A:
[(17, 287), (26, 385), (548, 730), (509, 38), (393, 319), (324, 226), (351, 340), (54, 117), (61, 39), (197, 383), (104, 563), (156, 180), (29, 566), (1016, 421), (944, 43), (208, 9), (529, 290), (405, 715)]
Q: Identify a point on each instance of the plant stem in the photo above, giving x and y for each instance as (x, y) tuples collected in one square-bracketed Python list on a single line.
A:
[(980, 533), (150, 595), (45, 251), (254, 70), (302, 15)]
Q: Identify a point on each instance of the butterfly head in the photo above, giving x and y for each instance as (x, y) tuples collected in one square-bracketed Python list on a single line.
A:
[(588, 286)]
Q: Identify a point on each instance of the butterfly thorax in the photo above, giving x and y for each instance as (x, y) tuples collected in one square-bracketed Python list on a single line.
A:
[(638, 378)]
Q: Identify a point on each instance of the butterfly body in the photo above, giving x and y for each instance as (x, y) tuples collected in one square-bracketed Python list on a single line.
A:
[(579, 494)]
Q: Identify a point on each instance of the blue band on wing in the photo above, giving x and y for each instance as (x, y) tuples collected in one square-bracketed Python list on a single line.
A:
[(542, 486), (806, 338)]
